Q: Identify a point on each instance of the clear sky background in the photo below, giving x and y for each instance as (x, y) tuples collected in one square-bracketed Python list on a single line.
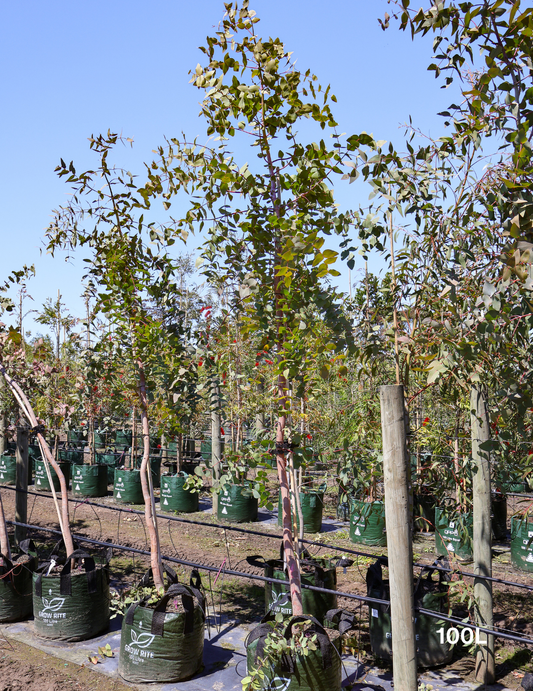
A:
[(73, 69)]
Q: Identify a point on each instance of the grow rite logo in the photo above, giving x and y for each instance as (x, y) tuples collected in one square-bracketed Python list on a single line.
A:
[(51, 607), (279, 684), (54, 604), (139, 643)]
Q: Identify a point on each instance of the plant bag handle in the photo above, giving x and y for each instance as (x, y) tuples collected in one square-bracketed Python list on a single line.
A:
[(187, 594), (287, 661), (65, 582), (148, 576), (342, 618)]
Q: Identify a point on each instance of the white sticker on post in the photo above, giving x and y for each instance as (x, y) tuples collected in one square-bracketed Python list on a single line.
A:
[(375, 613)]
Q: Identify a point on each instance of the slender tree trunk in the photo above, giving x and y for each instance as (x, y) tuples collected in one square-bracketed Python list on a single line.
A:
[(147, 488), (485, 663), (288, 547), (48, 457), (216, 445), (3, 440), (21, 497)]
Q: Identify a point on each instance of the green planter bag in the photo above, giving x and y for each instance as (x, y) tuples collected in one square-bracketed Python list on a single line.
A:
[(127, 487), (453, 536), (101, 439), (206, 449), (319, 670), (237, 504), (318, 572), (8, 470), (89, 480), (110, 459), (157, 645), (312, 503), (72, 606), (174, 497), (522, 542), (41, 478), (76, 436), (16, 584), (71, 455), (123, 437), (367, 523), (155, 466), (428, 594)]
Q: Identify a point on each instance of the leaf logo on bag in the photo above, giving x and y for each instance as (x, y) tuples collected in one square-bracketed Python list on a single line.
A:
[(280, 599), (143, 640), (279, 684), (54, 604)]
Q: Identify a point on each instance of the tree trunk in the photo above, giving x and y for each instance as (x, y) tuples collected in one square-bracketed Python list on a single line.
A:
[(48, 457), (288, 547), (216, 446), (485, 664), (147, 488), (21, 497), (3, 441)]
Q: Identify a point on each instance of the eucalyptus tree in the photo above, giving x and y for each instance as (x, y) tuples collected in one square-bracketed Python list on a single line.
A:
[(268, 209), (468, 206), (131, 270)]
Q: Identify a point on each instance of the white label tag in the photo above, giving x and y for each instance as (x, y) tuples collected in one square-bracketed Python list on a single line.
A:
[(224, 510), (375, 613)]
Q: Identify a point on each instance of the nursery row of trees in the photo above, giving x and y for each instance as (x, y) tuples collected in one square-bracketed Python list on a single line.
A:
[(270, 335)]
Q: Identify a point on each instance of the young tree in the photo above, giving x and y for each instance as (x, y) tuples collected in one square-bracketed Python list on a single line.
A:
[(270, 216)]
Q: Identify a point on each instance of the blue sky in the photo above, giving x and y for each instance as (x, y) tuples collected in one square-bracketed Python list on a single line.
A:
[(75, 69)]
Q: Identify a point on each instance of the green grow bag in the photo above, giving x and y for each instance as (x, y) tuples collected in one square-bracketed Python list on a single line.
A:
[(428, 594), (522, 543), (76, 436), (72, 606), (514, 487), (41, 478), (109, 459), (8, 470), (162, 646), (317, 572), (174, 497), (312, 503), (71, 455), (424, 512), (453, 536), (89, 480), (16, 584), (123, 437), (237, 504), (101, 439), (367, 523), (127, 486), (499, 517), (320, 670)]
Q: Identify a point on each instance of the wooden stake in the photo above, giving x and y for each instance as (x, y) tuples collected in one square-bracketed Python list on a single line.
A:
[(485, 665), (394, 312), (21, 496), (398, 516)]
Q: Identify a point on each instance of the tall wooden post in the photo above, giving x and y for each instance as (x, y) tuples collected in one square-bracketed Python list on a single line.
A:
[(3, 425), (479, 420), (21, 496), (398, 516), (216, 445)]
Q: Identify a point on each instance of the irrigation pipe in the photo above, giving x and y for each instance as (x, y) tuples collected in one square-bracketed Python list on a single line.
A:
[(247, 531), (266, 579)]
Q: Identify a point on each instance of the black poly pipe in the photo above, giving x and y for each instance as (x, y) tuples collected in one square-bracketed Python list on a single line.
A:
[(266, 579)]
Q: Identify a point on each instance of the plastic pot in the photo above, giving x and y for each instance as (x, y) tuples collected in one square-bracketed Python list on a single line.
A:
[(174, 498)]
